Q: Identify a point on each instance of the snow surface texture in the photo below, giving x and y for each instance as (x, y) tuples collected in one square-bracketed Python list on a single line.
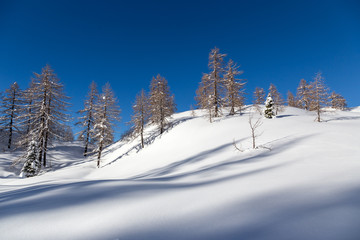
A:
[(191, 183)]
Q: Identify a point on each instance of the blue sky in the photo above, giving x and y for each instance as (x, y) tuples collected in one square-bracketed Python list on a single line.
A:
[(128, 42)]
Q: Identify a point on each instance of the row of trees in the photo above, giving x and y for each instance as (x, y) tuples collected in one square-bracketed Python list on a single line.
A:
[(155, 107), (222, 87), (313, 96), (98, 118), (35, 116), (101, 112)]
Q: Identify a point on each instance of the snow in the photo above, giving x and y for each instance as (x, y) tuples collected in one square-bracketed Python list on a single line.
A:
[(191, 183), (355, 109)]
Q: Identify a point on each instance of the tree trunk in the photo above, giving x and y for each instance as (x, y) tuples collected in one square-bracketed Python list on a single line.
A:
[(87, 138), (41, 150), (142, 137), (45, 146), (10, 132), (11, 120), (216, 97), (99, 155), (253, 138), (232, 111)]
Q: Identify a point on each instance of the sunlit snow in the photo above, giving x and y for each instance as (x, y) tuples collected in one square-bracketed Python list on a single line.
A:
[(191, 183)]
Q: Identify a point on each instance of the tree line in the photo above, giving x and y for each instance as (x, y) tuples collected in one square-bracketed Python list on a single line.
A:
[(222, 87), (35, 117)]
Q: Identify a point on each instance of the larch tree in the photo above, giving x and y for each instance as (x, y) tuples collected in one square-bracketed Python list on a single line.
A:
[(26, 114), (87, 118), (234, 97), (291, 101), (337, 101), (277, 99), (107, 113), (211, 89), (141, 114), (10, 109), (49, 108), (203, 95), (161, 102), (319, 95), (216, 65), (259, 96), (303, 95)]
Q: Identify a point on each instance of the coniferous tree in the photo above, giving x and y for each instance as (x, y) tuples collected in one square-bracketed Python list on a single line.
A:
[(32, 165), (234, 97), (337, 101), (319, 93), (216, 65), (269, 107), (259, 96), (162, 104), (26, 118), (86, 121), (303, 95), (65, 134), (277, 99), (203, 95), (11, 105), (48, 110), (211, 89), (107, 112), (141, 115), (291, 101)]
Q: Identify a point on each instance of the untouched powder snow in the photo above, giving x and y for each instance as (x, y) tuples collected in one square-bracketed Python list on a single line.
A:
[(303, 182)]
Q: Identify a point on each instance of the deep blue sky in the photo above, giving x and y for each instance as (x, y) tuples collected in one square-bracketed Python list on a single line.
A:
[(128, 42)]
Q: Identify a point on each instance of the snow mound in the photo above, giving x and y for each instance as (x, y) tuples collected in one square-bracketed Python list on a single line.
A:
[(191, 183), (355, 109)]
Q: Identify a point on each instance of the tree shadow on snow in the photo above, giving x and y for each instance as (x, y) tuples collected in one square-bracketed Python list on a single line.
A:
[(160, 173), (148, 140)]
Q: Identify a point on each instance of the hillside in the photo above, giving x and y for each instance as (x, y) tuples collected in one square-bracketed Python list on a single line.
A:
[(191, 183)]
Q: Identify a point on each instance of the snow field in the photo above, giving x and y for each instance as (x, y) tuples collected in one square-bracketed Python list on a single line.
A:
[(191, 183)]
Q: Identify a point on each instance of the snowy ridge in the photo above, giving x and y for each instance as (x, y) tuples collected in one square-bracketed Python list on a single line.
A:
[(191, 183)]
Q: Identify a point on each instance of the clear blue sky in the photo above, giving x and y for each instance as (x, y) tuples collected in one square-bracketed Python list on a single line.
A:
[(128, 42)]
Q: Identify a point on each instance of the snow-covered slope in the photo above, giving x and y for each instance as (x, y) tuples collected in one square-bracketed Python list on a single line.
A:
[(303, 182)]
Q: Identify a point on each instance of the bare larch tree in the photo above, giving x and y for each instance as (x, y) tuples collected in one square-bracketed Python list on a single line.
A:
[(26, 115), (337, 101), (303, 95), (161, 102), (107, 112), (203, 95), (291, 101), (234, 97), (259, 96), (319, 95), (141, 114), (211, 89), (47, 114), (10, 109), (87, 121)]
